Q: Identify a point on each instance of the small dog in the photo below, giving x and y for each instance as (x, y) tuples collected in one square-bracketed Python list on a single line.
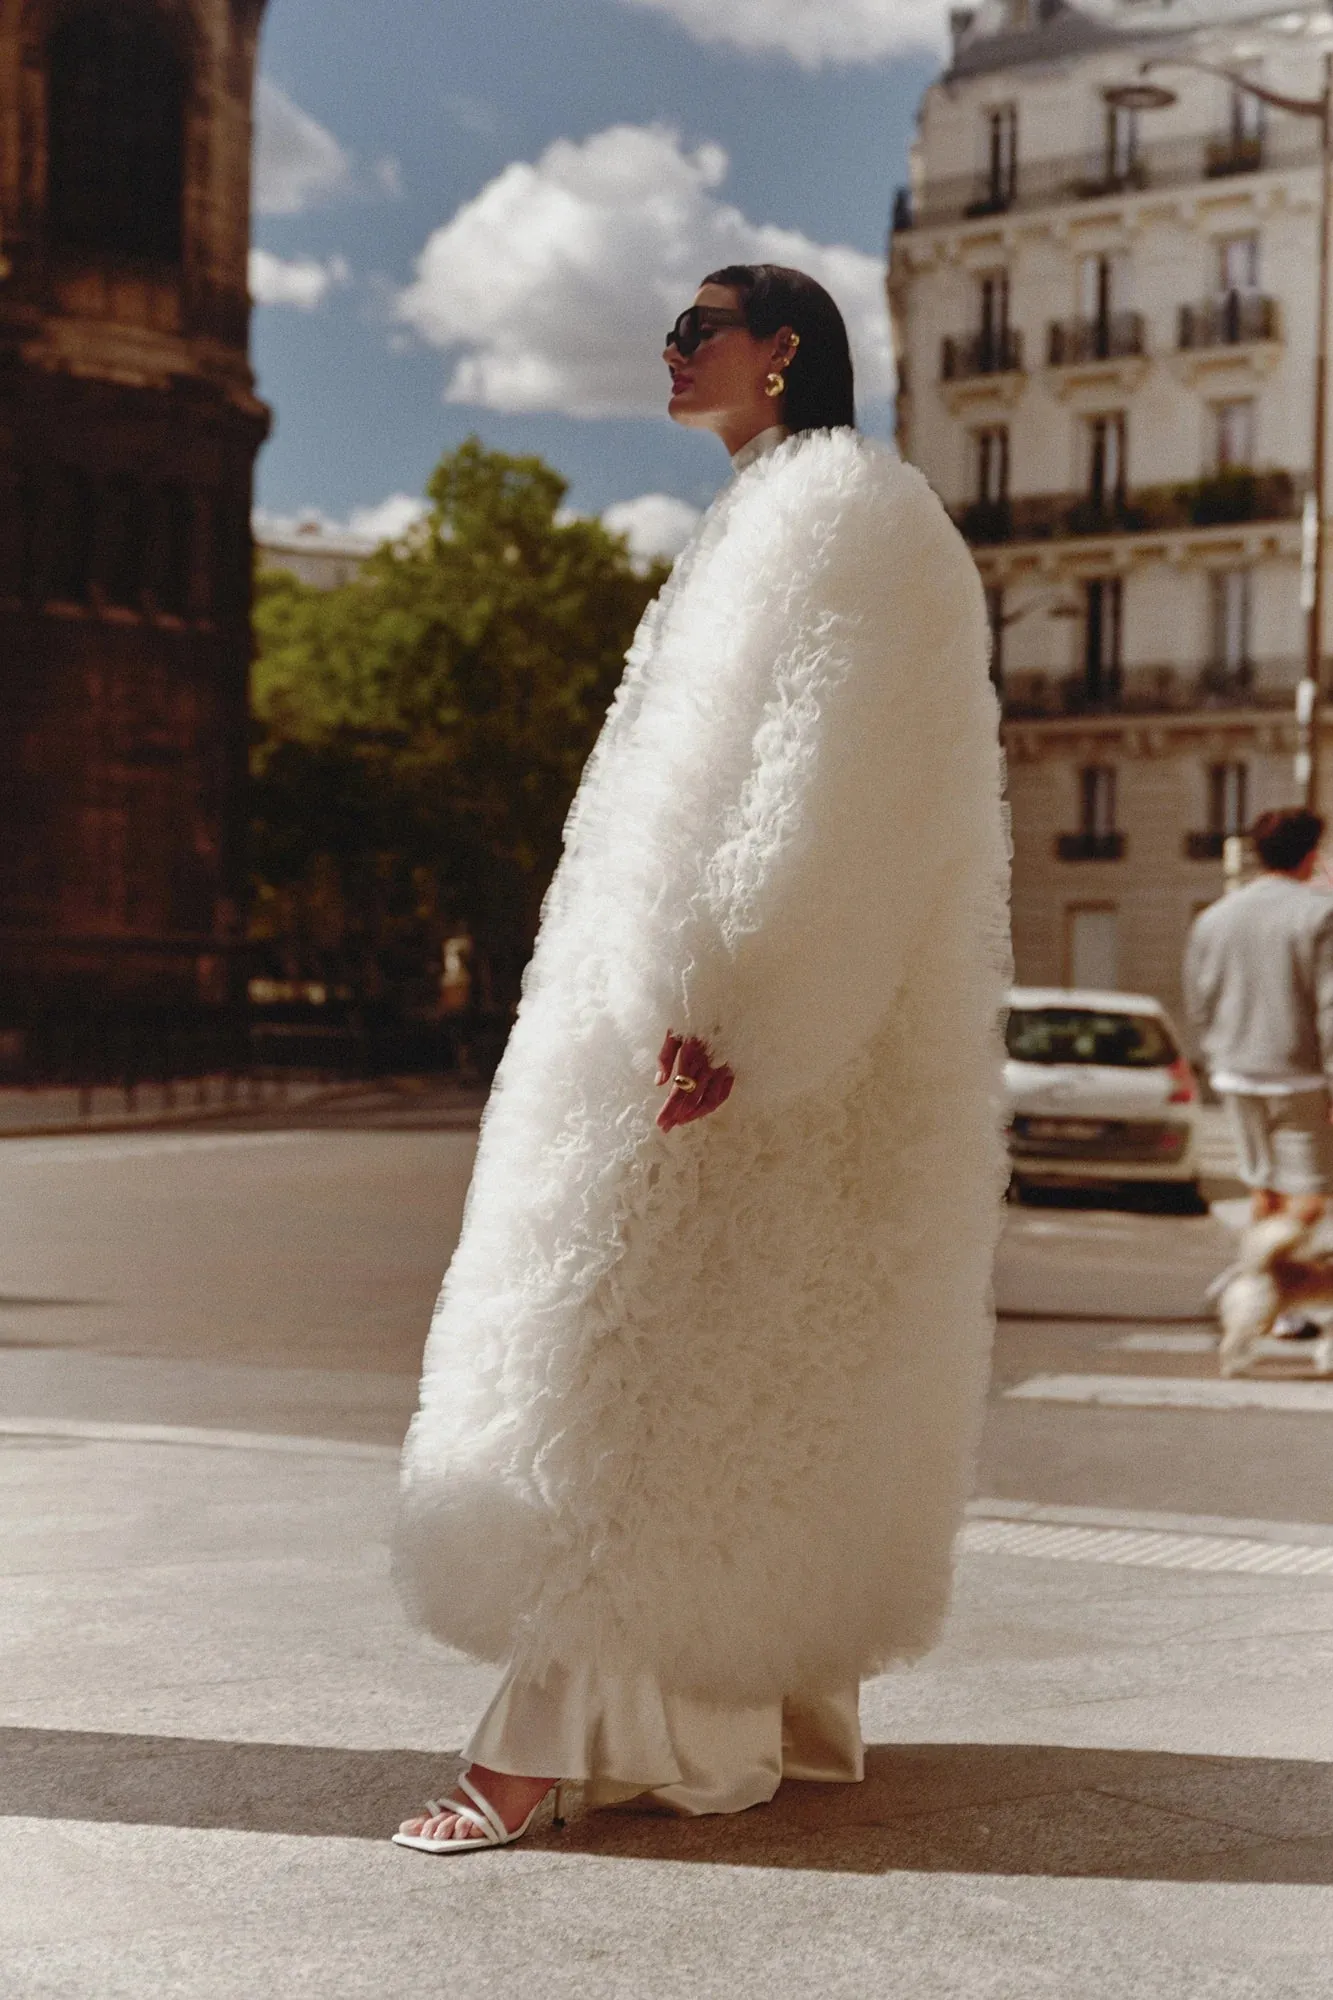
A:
[(1284, 1263)]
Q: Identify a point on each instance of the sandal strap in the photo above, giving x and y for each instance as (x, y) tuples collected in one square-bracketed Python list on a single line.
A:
[(488, 1815), (455, 1808)]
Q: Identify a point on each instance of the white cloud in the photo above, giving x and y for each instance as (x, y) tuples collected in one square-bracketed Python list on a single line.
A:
[(553, 287), (474, 115), (387, 521), (812, 31), (298, 163), (387, 174), (302, 282), (655, 524)]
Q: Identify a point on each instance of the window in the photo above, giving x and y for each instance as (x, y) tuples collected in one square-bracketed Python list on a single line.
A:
[(995, 618), (1233, 435), (1101, 284), (1089, 1034), (1102, 608), (992, 461), (1229, 638), (1245, 119), (1122, 142), (65, 526), (1098, 838), (993, 317), (1096, 797), (115, 136), (1228, 799), (1001, 169), (1238, 264), (230, 583), (171, 550), (1102, 289), (123, 563), (1105, 446)]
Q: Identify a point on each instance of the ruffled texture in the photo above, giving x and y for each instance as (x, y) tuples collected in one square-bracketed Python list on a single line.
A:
[(620, 1737), (703, 1405)]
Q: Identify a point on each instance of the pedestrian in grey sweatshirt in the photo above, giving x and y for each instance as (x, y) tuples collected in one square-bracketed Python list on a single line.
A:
[(1259, 988)]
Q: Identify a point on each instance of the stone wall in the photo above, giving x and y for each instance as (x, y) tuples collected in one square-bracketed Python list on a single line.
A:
[(128, 430)]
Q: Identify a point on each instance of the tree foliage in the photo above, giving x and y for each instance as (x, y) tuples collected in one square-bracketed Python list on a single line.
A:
[(419, 733)]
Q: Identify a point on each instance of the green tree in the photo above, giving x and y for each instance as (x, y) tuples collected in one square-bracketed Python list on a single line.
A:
[(419, 733)]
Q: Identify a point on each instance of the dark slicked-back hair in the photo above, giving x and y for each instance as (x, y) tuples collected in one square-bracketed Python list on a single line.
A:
[(820, 394), (1282, 839)]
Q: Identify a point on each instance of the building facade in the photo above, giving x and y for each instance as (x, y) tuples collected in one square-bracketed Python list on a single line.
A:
[(322, 558), (1105, 322), (128, 431)]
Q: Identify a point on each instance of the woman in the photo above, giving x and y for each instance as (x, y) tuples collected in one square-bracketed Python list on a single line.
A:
[(701, 1392)]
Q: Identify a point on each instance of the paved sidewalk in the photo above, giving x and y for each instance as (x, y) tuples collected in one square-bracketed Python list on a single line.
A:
[(1109, 1781)]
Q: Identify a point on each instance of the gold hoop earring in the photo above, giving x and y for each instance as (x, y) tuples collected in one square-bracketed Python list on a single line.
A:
[(775, 384)]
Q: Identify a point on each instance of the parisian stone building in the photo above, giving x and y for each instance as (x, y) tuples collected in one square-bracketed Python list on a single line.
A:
[(1106, 325), (128, 431)]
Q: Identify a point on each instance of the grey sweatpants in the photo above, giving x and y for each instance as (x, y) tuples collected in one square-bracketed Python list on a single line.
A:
[(1283, 1143)]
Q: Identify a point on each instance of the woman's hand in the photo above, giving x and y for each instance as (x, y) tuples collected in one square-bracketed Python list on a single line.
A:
[(697, 1085)]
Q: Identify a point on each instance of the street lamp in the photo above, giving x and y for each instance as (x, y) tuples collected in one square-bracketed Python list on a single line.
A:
[(1053, 602), (1145, 96)]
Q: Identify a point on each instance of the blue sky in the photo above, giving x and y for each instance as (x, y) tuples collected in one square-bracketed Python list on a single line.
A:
[(562, 166)]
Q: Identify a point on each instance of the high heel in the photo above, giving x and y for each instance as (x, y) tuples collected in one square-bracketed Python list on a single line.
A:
[(491, 1830), (557, 1814)]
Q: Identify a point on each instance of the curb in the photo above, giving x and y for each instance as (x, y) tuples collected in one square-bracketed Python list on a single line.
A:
[(168, 1121)]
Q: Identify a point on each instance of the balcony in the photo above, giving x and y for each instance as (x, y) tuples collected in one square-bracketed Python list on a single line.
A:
[(1089, 846), (1228, 321), (1157, 689), (1070, 343), (1237, 153), (1080, 177), (1221, 499), (963, 357), (1235, 331)]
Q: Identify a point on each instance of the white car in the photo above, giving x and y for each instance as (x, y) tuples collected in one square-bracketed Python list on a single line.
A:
[(1099, 1093)]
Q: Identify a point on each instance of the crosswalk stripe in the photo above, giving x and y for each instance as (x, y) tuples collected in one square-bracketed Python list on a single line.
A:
[(1172, 1392), (1237, 1554)]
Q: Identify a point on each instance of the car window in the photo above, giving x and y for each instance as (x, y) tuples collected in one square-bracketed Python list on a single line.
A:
[(1088, 1035)]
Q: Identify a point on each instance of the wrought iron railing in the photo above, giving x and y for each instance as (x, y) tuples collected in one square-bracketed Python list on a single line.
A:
[(1228, 320), (1040, 183), (1111, 337), (998, 352), (1155, 689), (1090, 846), (1219, 499)]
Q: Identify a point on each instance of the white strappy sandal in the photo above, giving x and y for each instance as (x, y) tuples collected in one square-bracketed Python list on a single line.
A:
[(491, 1829)]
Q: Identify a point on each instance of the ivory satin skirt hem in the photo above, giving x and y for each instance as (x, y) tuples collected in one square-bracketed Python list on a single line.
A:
[(627, 1738)]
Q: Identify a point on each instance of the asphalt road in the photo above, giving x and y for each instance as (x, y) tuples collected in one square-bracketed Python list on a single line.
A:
[(280, 1277), (1108, 1779)]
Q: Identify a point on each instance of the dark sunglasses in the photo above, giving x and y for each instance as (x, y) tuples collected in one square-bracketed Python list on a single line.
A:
[(695, 322)]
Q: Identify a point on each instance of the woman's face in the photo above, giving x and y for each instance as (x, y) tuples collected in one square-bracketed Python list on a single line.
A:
[(721, 386)]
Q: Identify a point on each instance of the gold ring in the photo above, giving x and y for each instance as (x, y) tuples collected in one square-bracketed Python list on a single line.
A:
[(686, 1083)]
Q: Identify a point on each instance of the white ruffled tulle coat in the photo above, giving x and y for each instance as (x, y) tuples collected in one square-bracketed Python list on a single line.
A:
[(700, 1407)]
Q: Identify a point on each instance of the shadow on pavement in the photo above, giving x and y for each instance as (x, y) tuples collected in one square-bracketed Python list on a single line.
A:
[(973, 1808)]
